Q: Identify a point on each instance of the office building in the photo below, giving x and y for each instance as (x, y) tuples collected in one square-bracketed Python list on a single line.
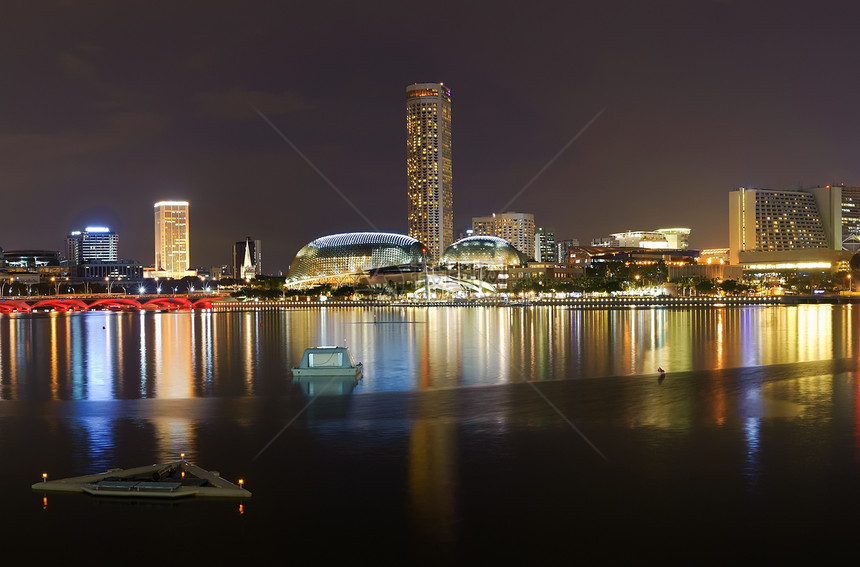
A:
[(429, 170), (247, 259), (516, 228), (172, 239), (783, 227), (545, 249), (93, 244)]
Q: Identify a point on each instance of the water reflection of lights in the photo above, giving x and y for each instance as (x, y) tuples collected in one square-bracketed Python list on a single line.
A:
[(752, 427)]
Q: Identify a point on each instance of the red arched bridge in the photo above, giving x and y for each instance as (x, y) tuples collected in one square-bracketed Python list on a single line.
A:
[(112, 303)]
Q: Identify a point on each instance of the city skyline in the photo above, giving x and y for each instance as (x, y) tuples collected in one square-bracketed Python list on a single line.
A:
[(690, 103)]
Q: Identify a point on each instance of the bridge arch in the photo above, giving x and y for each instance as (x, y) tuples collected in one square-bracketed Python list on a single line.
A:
[(167, 303), (62, 304), (14, 306), (116, 303)]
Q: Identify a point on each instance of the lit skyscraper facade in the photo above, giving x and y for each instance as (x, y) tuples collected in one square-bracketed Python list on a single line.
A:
[(545, 250), (93, 244), (429, 168), (171, 239), (768, 221)]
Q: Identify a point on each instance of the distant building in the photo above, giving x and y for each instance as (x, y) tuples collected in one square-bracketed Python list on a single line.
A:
[(94, 243), (591, 255), (42, 263), (98, 270), (850, 218), (172, 240), (563, 248), (429, 167), (516, 228), (547, 271), (664, 238), (247, 259), (545, 250), (712, 264), (783, 228)]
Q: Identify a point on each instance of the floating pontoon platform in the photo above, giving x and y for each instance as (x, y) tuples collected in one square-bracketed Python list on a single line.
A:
[(177, 479)]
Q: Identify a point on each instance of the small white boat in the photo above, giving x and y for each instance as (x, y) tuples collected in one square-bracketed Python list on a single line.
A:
[(327, 361)]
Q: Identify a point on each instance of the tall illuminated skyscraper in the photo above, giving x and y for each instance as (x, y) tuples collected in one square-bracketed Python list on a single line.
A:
[(428, 166), (171, 239)]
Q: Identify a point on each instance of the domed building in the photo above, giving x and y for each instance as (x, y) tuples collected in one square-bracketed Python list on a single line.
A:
[(339, 258), (489, 251)]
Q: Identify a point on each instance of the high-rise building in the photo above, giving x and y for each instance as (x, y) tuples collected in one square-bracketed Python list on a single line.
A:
[(764, 221), (93, 244), (429, 168), (516, 228), (171, 239), (247, 259), (545, 250)]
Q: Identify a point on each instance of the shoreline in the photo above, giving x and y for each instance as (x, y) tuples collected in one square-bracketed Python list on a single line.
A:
[(590, 302)]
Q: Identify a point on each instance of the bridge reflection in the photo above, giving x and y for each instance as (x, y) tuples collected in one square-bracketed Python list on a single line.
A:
[(108, 302)]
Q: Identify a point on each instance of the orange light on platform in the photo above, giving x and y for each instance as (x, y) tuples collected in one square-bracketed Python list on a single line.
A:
[(241, 483), (182, 456), (44, 477)]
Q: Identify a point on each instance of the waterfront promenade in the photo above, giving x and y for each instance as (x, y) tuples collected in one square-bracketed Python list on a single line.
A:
[(118, 302)]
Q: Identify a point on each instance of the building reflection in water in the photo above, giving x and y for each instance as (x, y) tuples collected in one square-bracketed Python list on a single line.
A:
[(103, 356)]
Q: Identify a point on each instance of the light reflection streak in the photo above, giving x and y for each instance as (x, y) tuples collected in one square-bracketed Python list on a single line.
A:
[(141, 352), (433, 475), (752, 426), (173, 435), (54, 357), (98, 375)]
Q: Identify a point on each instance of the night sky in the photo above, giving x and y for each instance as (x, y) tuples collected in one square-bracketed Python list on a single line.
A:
[(107, 107)]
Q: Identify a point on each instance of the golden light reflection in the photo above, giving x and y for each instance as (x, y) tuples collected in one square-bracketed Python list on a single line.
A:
[(433, 477), (171, 359)]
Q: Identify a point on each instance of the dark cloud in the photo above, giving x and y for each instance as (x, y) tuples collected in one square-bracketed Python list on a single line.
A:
[(241, 103)]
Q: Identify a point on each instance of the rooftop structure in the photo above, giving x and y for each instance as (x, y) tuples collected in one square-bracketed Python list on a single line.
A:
[(661, 238), (488, 251), (338, 257)]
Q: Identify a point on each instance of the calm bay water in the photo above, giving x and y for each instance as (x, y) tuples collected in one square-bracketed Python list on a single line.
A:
[(541, 433)]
